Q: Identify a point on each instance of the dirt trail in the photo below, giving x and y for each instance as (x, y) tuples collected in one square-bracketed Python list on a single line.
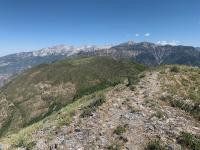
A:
[(140, 112)]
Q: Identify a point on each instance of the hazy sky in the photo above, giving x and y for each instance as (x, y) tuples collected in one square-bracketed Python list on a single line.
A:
[(33, 24)]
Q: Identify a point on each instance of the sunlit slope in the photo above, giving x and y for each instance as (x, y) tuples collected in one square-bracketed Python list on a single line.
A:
[(38, 92)]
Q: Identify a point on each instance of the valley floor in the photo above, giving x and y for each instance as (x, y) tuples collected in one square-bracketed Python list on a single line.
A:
[(129, 119)]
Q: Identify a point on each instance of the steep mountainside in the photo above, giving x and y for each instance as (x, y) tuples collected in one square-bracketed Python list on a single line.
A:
[(145, 115), (151, 54), (38, 92)]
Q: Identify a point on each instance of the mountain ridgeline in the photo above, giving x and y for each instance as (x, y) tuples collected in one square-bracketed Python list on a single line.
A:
[(146, 53), (14, 64), (151, 54), (39, 91)]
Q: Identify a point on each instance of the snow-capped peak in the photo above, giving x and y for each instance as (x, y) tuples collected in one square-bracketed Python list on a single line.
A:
[(67, 50)]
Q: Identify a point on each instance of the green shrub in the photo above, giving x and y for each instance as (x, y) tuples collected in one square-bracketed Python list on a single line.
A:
[(151, 103), (190, 141), (159, 114), (174, 69), (133, 109), (132, 80), (154, 145), (120, 130), (142, 75), (132, 87), (115, 146), (166, 98), (177, 103)]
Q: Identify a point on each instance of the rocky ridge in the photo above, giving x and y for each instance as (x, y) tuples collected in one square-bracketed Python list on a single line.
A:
[(128, 119)]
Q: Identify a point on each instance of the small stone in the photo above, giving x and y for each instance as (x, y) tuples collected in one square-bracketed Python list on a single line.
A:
[(77, 130)]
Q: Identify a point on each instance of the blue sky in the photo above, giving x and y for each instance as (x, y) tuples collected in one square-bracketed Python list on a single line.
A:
[(27, 25)]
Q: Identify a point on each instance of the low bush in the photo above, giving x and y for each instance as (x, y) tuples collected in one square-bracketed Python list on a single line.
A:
[(177, 103), (114, 146), (174, 69), (155, 145), (132, 80), (159, 114), (190, 141), (133, 109), (120, 130), (142, 75)]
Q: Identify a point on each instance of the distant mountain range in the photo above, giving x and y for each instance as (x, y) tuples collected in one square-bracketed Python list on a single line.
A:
[(147, 53), (198, 48), (151, 54), (13, 64)]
